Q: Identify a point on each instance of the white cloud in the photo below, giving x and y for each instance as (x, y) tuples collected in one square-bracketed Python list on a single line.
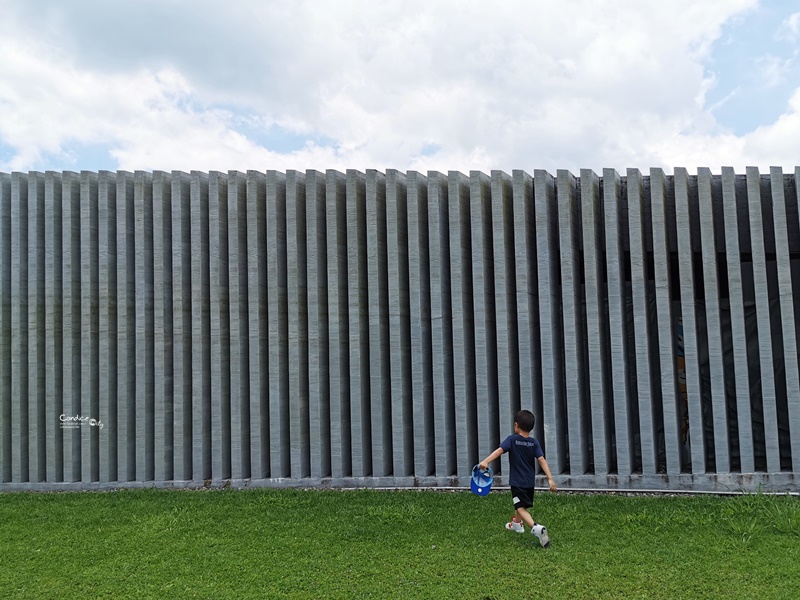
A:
[(774, 70), (770, 145), (777, 142), (790, 28), (528, 84)]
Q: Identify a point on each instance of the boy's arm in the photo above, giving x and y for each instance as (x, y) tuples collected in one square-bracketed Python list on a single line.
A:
[(484, 464), (546, 469)]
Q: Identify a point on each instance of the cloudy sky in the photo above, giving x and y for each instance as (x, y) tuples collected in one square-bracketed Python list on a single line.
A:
[(406, 84)]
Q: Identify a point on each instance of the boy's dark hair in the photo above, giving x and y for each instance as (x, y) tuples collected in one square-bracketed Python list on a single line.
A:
[(525, 420)]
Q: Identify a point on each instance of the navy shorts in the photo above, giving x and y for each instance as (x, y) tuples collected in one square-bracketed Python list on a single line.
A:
[(523, 497)]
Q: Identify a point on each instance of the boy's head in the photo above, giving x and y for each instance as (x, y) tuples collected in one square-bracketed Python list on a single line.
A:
[(525, 420)]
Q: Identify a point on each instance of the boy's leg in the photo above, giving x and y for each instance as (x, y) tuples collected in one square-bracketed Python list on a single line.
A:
[(525, 517), (523, 500), (515, 524), (540, 531)]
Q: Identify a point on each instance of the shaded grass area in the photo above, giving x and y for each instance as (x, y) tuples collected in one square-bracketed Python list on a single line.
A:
[(379, 544)]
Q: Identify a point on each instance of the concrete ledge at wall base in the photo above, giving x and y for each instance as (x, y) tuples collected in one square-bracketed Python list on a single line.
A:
[(723, 483), (767, 483)]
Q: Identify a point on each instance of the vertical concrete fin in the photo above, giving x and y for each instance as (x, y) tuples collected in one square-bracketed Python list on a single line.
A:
[(689, 338), (547, 250), (643, 334), (570, 233), (297, 299), (465, 394), (338, 324), (756, 210), (666, 331), (318, 340), (708, 218), (378, 324), (258, 326), (397, 224)]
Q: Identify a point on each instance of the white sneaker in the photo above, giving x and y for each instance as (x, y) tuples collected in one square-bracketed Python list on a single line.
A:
[(540, 531), (514, 526)]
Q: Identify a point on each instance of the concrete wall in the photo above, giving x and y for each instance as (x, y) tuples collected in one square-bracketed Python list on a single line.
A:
[(380, 329)]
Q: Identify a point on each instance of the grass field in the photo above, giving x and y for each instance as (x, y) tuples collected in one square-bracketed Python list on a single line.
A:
[(376, 544)]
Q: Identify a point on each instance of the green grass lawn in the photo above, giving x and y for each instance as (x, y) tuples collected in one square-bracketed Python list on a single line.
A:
[(375, 544)]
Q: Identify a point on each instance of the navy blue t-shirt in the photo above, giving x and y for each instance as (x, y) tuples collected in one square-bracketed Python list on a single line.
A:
[(522, 454)]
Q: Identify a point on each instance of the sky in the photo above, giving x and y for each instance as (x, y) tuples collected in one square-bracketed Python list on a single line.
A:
[(398, 84)]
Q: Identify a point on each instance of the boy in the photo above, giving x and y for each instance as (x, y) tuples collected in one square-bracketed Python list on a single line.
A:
[(523, 449)]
